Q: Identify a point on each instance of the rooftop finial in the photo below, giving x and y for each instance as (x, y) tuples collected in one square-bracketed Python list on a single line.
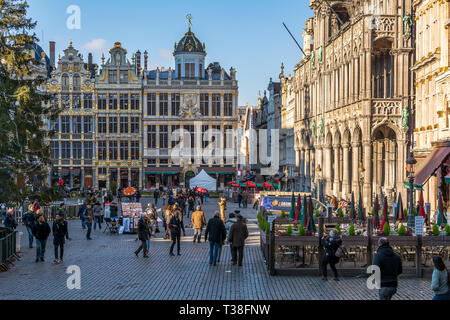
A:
[(189, 18)]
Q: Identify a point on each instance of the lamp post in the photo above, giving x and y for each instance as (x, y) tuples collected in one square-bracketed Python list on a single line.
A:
[(410, 162), (286, 173), (319, 171)]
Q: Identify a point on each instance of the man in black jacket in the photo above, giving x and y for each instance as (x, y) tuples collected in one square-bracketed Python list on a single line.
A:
[(217, 235), (29, 221), (81, 214), (237, 236), (176, 225), (10, 221), (390, 265), (59, 234), (41, 230), (144, 234)]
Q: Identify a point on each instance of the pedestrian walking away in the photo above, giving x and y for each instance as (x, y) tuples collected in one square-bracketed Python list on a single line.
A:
[(156, 196), (144, 234), (198, 223), (59, 230), (29, 220), (238, 234), (231, 220), (81, 214), (41, 230), (331, 244), (440, 283), (97, 216), (176, 225), (89, 219), (390, 265), (62, 211), (216, 233)]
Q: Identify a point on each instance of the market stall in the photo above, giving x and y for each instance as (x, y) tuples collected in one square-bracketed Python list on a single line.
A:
[(131, 213)]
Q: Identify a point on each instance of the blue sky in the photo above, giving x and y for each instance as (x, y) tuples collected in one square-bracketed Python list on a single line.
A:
[(247, 34)]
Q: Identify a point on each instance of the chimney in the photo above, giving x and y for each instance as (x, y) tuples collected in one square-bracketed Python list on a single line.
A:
[(90, 60), (52, 53), (138, 60)]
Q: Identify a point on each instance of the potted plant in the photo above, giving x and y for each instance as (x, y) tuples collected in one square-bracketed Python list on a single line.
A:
[(386, 229), (283, 215), (317, 213), (447, 230), (338, 228), (351, 230), (401, 231), (436, 231), (301, 230), (340, 213), (289, 230)]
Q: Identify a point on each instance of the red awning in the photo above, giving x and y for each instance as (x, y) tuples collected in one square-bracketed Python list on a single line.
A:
[(430, 165)]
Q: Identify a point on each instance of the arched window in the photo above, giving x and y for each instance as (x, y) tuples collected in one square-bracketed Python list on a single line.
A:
[(76, 83), (65, 82)]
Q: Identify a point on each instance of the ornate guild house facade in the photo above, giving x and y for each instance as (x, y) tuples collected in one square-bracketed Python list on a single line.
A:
[(180, 107), (353, 94)]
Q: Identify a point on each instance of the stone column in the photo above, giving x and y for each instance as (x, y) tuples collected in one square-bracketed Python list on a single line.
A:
[(307, 170), (221, 105), (387, 163), (169, 102), (336, 170), (367, 190), (355, 166), (327, 170), (210, 104), (302, 170), (345, 180), (297, 167), (400, 167)]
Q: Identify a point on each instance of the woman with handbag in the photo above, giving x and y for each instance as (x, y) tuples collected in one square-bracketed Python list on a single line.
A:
[(332, 245)]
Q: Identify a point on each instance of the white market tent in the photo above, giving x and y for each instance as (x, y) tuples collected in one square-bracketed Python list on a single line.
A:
[(203, 180)]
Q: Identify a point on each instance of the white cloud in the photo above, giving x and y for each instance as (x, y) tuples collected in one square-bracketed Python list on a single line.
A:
[(165, 54), (95, 45)]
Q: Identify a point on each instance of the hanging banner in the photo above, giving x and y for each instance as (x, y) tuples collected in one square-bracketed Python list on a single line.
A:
[(276, 203)]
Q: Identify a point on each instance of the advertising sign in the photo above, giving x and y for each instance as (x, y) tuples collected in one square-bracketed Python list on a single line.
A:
[(276, 203)]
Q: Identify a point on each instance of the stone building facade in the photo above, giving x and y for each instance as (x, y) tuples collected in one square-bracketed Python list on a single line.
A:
[(189, 101), (118, 135), (353, 94), (432, 82), (72, 84)]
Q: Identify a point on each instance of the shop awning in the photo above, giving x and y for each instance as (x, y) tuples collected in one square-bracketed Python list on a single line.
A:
[(430, 165), (153, 173), (171, 173), (227, 172)]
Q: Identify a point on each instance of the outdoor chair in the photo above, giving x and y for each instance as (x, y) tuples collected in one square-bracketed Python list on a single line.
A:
[(313, 254), (111, 227), (408, 255), (429, 252), (349, 255)]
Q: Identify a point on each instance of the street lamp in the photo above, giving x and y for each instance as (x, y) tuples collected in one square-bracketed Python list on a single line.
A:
[(319, 171), (286, 173), (410, 162)]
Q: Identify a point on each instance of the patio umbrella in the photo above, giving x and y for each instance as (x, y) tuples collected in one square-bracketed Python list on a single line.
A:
[(292, 212), (377, 205), (250, 184), (297, 210), (129, 192), (422, 212), (361, 216), (376, 220), (385, 214), (259, 185), (352, 208), (442, 215), (232, 182), (304, 216), (201, 190), (311, 226), (399, 211)]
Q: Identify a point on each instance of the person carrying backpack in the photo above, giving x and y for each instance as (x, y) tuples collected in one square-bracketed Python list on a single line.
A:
[(331, 244)]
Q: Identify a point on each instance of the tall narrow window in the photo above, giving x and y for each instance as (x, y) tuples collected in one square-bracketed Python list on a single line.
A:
[(228, 104), (189, 70), (174, 141), (76, 82), (76, 124), (113, 102), (200, 71), (102, 150), (113, 150), (179, 71), (135, 125), (163, 104), (113, 125), (87, 124), (135, 101), (87, 101), (76, 101), (55, 149), (88, 150), (204, 104), (101, 101), (65, 150), (124, 125), (65, 85), (163, 137), (216, 104), (123, 101), (124, 76), (101, 124), (175, 104), (134, 150), (151, 136), (151, 104), (123, 150), (112, 76), (76, 148), (65, 124)]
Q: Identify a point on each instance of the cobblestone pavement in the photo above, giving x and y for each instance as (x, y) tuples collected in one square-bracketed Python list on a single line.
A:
[(110, 270)]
